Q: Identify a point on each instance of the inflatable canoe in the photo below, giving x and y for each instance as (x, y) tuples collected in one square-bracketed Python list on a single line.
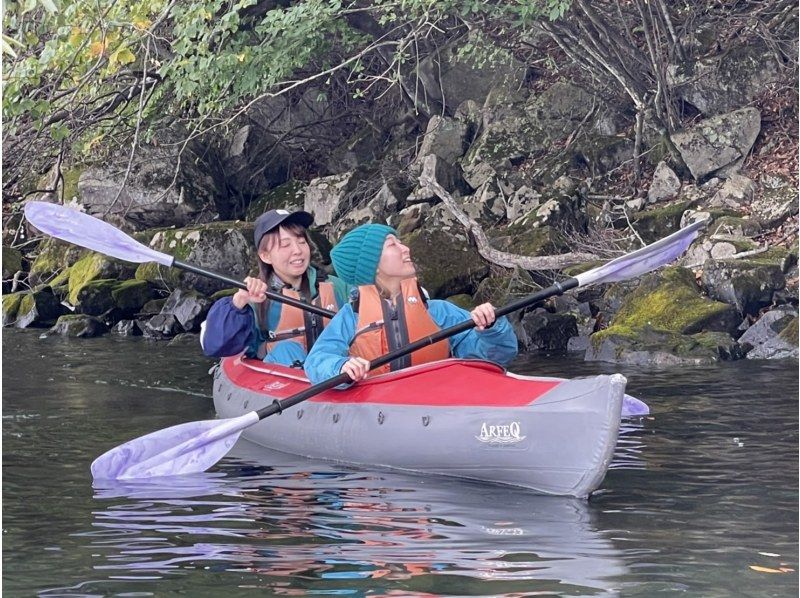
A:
[(460, 418)]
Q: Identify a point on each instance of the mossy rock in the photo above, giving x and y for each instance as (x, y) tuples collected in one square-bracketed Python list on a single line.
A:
[(735, 225), (54, 257), (670, 301), (94, 266), (657, 223), (522, 239), (11, 303), (462, 300), (647, 346), (38, 307), (94, 297), (130, 295), (223, 293), (153, 306), (71, 178), (12, 261), (502, 289), (748, 283), (790, 333), (446, 264), (78, 326), (289, 195)]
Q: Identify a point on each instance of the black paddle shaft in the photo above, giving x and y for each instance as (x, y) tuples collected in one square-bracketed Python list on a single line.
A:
[(278, 406), (240, 285)]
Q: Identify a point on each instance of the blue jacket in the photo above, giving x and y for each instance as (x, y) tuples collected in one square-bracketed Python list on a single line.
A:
[(229, 330), (331, 351)]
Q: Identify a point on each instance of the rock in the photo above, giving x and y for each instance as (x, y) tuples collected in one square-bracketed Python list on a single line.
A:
[(735, 193), (776, 203), (410, 219), (578, 344), (164, 187), (657, 223), (661, 348), (95, 267), (326, 196), (161, 326), (94, 297), (12, 262), (773, 336), (129, 296), (38, 307), (665, 184), (719, 83), (127, 328), (723, 250), (53, 257), (444, 173), (364, 146), (189, 308), (522, 202), (462, 300), (288, 196), (718, 142), (444, 273), (445, 137), (78, 326), (253, 162), (502, 289), (549, 332), (220, 247), (451, 76), (671, 301), (11, 303), (746, 284)]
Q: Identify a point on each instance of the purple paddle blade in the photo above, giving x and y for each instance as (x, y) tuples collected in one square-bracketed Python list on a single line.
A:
[(186, 448), (87, 231), (645, 259), (633, 407)]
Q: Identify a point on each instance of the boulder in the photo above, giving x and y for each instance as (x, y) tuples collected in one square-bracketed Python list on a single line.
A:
[(748, 284), (225, 247), (288, 196), (773, 336), (53, 257), (548, 331), (12, 262), (665, 184), (737, 191), (189, 308), (127, 328), (252, 162), (161, 326), (10, 306), (38, 307), (78, 326), (94, 267), (718, 144), (327, 197), (444, 137)]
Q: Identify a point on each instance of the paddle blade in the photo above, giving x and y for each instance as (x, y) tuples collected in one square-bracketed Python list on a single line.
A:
[(645, 259), (87, 231), (633, 407), (186, 448)]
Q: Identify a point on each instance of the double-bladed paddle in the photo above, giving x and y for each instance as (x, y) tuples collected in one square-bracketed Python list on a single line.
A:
[(87, 231), (195, 446)]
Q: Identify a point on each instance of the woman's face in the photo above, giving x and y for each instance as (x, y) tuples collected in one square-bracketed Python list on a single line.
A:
[(395, 260), (288, 252)]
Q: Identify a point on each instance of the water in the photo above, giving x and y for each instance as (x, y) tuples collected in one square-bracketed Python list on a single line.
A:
[(698, 494)]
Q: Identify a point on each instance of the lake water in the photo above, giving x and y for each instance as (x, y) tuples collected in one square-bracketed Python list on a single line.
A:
[(701, 499)]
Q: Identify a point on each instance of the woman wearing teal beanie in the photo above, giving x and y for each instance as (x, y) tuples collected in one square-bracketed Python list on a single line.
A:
[(390, 310)]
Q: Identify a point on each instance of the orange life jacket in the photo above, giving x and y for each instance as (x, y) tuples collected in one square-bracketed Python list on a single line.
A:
[(299, 324), (381, 328)]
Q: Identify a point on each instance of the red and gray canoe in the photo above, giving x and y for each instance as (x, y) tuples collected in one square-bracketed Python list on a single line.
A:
[(462, 418)]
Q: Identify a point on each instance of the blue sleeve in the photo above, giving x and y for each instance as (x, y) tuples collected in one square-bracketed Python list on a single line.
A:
[(332, 348), (227, 330), (341, 290), (498, 343)]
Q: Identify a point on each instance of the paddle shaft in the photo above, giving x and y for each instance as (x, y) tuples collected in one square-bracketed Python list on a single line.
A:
[(240, 285), (278, 406)]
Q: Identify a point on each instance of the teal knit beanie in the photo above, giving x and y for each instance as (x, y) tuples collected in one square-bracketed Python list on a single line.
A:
[(355, 258)]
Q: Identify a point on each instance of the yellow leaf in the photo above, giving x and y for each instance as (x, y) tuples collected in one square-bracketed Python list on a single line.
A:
[(142, 24), (97, 49), (75, 36), (765, 569), (121, 56), (240, 57)]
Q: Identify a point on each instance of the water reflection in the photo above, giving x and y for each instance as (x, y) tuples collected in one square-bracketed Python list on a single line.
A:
[(298, 523)]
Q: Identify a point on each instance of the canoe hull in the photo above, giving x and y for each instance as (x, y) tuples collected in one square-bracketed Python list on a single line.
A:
[(560, 443)]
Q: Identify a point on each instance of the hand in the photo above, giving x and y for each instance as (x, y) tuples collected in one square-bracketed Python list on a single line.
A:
[(356, 368), (256, 293), (483, 316)]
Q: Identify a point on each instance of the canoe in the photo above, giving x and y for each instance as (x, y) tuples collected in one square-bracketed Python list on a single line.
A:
[(461, 418)]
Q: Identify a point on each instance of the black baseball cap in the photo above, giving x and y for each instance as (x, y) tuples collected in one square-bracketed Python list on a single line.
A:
[(272, 219)]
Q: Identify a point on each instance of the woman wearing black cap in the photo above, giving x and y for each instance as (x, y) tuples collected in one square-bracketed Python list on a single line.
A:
[(270, 330)]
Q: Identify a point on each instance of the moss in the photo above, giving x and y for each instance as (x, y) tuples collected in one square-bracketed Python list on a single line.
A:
[(27, 303), (290, 195), (56, 255), (11, 304), (223, 293), (12, 261), (462, 300), (673, 305), (83, 271), (443, 273), (130, 295), (160, 276), (657, 223), (521, 238), (71, 177), (790, 333)]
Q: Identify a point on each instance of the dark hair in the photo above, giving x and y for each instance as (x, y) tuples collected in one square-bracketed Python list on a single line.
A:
[(265, 270)]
